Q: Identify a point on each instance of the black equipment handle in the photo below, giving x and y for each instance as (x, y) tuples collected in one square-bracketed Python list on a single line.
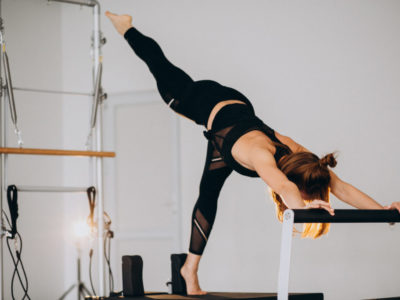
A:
[(91, 193), (12, 199), (346, 216)]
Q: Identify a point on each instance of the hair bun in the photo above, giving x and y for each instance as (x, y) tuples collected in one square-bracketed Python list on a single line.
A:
[(328, 160)]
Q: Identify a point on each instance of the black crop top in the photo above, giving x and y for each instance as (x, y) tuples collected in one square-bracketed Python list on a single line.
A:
[(224, 139)]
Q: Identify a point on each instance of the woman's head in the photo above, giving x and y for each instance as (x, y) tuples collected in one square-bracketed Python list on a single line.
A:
[(311, 175)]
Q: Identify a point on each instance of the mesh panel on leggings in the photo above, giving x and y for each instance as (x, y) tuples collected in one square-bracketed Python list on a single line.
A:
[(219, 137), (217, 161), (201, 229), (204, 212)]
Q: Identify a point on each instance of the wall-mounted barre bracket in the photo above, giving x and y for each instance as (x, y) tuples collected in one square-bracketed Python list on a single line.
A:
[(291, 217), (58, 152)]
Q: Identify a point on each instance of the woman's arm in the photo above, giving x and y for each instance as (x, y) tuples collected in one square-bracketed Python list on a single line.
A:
[(354, 197), (351, 195), (341, 189), (265, 166)]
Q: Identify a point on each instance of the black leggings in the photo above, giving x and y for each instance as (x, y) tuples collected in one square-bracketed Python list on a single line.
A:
[(195, 100)]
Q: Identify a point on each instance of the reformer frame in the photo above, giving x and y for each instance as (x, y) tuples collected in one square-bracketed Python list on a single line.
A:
[(96, 127), (290, 217)]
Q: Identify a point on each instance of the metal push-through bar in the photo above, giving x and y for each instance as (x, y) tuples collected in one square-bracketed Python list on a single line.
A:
[(78, 2), (321, 216), (51, 189), (52, 92)]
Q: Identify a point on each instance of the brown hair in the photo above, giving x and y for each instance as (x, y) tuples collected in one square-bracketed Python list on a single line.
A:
[(311, 175)]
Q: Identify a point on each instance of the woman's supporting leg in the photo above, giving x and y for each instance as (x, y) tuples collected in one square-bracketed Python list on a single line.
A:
[(171, 81), (204, 212)]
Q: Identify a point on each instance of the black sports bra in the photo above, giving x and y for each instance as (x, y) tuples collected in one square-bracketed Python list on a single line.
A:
[(224, 139)]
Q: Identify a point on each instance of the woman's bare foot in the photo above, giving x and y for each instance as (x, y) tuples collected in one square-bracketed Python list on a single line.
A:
[(192, 281), (121, 22)]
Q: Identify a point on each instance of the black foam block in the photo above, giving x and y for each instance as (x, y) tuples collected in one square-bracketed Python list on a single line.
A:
[(132, 275)]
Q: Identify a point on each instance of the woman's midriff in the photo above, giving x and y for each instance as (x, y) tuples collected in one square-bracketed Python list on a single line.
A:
[(240, 148), (217, 108)]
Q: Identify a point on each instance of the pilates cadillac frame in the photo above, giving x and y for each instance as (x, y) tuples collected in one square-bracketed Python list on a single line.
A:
[(95, 136), (321, 216)]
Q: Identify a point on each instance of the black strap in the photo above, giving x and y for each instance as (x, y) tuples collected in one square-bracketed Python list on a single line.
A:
[(12, 199), (91, 193), (207, 134)]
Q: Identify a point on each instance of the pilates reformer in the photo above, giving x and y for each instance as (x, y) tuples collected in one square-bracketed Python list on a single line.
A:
[(133, 286), (132, 268)]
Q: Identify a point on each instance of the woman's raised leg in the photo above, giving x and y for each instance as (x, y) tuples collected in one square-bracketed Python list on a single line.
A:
[(121, 22), (172, 82)]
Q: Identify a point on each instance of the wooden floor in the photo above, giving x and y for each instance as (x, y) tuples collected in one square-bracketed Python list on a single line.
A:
[(219, 296)]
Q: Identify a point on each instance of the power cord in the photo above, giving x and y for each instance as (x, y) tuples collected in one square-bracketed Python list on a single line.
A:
[(107, 248), (91, 193), (13, 234), (90, 271), (16, 262)]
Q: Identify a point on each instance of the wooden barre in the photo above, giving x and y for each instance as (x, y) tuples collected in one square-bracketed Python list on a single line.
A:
[(28, 151)]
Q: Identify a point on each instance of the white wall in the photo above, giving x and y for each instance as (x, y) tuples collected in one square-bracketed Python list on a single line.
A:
[(324, 73)]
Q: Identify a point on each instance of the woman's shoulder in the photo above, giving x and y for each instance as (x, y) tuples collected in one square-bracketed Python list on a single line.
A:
[(294, 147)]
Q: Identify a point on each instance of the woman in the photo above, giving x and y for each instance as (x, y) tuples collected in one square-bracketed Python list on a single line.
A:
[(239, 141)]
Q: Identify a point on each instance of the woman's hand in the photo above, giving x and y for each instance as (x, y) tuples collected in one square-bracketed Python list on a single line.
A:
[(321, 204), (394, 205)]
